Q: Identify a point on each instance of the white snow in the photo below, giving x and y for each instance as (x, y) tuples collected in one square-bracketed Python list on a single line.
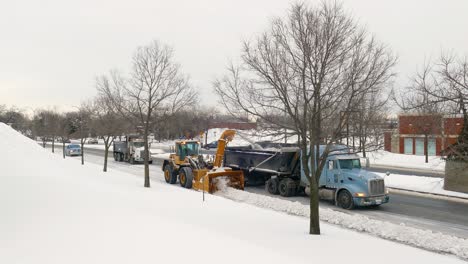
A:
[(419, 184), (55, 210), (248, 137), (426, 239), (385, 158)]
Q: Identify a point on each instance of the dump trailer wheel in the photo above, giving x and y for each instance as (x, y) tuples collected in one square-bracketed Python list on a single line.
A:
[(186, 177), (345, 200), (271, 185), (287, 187), (169, 175)]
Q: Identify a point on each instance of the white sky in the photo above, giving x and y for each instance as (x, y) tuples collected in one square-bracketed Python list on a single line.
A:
[(51, 50)]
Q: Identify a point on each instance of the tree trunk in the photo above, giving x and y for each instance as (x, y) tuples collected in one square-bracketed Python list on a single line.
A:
[(426, 152), (314, 224), (106, 154), (82, 152), (146, 158), (63, 147), (53, 144)]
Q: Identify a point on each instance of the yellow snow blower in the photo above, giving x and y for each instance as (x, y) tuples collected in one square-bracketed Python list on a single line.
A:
[(189, 166)]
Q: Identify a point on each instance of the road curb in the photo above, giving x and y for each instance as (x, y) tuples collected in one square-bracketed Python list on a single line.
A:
[(428, 194)]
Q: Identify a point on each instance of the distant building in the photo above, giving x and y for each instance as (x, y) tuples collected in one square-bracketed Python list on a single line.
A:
[(412, 129)]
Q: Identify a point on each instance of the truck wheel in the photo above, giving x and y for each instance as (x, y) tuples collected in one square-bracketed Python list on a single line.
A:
[(345, 200), (132, 160), (271, 185), (287, 188), (115, 157), (185, 177), (121, 157), (169, 174)]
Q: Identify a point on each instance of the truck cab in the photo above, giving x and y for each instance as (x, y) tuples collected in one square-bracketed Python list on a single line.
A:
[(344, 181)]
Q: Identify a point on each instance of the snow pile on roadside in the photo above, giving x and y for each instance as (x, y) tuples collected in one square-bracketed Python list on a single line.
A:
[(419, 184), (248, 137), (425, 239), (386, 158)]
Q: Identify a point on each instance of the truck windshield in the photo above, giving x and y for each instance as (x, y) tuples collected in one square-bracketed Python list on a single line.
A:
[(349, 164), (188, 149)]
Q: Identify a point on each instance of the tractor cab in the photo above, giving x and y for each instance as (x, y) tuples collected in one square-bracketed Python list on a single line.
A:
[(187, 148)]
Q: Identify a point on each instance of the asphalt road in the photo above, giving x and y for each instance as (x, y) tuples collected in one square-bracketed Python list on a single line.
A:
[(448, 217)]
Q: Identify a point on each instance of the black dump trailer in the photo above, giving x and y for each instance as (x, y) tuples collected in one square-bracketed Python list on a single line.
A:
[(261, 165)]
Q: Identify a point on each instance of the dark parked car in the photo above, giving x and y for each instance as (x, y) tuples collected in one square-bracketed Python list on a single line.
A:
[(211, 145)]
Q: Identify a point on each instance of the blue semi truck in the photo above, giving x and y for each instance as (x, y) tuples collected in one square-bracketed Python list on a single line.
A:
[(343, 180)]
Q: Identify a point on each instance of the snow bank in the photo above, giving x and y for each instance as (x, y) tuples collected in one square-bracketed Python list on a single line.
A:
[(425, 239), (248, 137), (419, 184), (57, 211), (386, 158)]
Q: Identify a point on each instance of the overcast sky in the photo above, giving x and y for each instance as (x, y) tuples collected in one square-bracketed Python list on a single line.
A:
[(51, 50)]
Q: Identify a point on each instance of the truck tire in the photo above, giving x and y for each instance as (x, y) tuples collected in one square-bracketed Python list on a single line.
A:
[(115, 157), (345, 200), (271, 185), (121, 157), (132, 160), (287, 187), (185, 177), (169, 174)]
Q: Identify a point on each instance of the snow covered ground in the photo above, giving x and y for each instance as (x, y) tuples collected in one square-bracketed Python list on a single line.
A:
[(386, 158), (57, 211), (429, 185)]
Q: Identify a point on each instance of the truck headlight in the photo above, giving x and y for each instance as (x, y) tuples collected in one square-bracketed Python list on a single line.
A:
[(360, 194)]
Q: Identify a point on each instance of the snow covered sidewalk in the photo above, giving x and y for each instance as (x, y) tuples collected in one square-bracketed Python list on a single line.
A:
[(58, 211), (428, 185), (385, 158)]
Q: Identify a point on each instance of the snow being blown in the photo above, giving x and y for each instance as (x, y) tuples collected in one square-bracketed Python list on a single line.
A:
[(425, 239)]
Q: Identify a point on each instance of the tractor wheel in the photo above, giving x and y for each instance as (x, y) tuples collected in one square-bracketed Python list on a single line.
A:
[(169, 174), (345, 200), (287, 187), (185, 177), (271, 185)]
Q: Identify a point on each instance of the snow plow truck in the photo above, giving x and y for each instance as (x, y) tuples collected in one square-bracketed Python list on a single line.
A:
[(188, 166)]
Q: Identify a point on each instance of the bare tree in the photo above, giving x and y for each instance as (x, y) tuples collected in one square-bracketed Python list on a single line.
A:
[(311, 67), (439, 88), (106, 121), (81, 125), (156, 85)]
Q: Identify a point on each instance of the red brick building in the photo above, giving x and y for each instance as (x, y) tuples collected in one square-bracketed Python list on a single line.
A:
[(417, 134)]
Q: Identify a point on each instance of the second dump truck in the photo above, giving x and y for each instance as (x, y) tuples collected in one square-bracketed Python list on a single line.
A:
[(342, 181), (132, 150)]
